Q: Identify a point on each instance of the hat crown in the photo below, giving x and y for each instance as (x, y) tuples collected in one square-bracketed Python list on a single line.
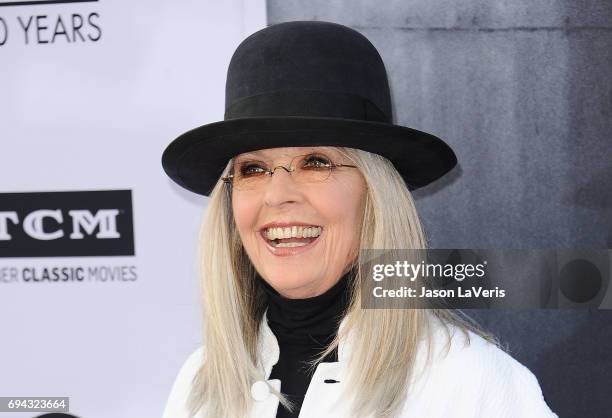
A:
[(303, 84), (306, 68)]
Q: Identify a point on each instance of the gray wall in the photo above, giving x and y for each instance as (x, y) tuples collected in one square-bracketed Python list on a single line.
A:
[(522, 91)]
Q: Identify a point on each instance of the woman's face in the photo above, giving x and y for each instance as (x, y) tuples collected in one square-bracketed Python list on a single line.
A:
[(300, 267)]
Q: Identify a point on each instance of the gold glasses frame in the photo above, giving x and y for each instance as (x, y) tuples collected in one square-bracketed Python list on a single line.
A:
[(229, 179)]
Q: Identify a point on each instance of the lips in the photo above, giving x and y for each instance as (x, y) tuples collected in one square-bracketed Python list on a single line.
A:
[(291, 237), (286, 225)]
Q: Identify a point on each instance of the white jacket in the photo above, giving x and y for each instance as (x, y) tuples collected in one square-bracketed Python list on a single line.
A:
[(475, 380)]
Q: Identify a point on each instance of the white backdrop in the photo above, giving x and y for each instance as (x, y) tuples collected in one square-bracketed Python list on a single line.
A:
[(90, 95)]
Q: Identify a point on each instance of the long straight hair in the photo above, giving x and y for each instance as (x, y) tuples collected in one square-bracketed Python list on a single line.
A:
[(233, 306)]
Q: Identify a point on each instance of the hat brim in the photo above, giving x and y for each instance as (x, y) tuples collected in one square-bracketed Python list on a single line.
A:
[(196, 159)]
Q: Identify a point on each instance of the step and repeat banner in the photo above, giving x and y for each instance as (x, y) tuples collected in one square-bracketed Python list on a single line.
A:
[(98, 265)]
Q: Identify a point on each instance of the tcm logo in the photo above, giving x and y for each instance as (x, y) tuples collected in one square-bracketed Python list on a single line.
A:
[(104, 221), (54, 224)]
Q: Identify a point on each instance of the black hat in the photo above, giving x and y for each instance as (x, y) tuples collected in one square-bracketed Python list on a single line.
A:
[(305, 84)]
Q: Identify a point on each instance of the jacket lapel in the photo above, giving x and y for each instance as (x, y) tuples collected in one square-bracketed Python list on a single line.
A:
[(322, 398)]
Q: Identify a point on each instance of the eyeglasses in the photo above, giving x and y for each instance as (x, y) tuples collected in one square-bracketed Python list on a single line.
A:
[(308, 168)]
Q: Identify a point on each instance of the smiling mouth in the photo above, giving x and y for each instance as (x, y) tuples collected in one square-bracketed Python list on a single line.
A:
[(291, 236)]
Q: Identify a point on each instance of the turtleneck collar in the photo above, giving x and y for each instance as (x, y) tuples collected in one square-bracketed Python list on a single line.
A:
[(309, 320)]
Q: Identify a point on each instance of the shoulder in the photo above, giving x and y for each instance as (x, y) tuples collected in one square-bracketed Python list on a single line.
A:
[(476, 375), (176, 405)]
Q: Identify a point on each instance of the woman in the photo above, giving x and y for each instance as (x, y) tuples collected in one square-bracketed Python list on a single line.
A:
[(305, 171)]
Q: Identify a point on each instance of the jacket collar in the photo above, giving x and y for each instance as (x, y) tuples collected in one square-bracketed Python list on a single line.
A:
[(268, 350)]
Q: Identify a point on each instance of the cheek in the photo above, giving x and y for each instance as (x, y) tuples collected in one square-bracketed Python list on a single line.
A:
[(245, 214), (344, 214), (351, 222)]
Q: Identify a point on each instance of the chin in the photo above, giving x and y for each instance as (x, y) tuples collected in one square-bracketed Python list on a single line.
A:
[(283, 281)]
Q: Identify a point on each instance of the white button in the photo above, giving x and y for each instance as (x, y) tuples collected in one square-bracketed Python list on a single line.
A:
[(260, 390)]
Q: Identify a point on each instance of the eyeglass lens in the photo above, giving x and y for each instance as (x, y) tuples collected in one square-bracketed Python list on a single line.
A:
[(303, 168)]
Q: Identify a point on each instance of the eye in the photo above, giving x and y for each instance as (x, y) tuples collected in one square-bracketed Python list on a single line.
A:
[(251, 169), (316, 161)]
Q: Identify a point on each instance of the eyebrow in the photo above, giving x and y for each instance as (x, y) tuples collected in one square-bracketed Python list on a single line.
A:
[(253, 154), (247, 157)]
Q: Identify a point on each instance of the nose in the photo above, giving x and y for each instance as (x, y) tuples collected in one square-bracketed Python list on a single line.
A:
[(281, 188), (287, 169)]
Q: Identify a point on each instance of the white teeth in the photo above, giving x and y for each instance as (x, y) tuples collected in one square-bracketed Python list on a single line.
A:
[(293, 232), (291, 244)]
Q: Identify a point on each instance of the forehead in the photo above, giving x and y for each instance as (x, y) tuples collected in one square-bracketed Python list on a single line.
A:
[(271, 153)]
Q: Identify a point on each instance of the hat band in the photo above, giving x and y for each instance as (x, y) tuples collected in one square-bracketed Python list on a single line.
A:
[(307, 103)]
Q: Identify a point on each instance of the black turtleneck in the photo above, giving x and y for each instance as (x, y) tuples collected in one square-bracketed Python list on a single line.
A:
[(303, 328)]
